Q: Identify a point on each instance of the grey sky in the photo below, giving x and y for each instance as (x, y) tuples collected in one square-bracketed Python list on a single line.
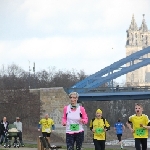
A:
[(85, 35)]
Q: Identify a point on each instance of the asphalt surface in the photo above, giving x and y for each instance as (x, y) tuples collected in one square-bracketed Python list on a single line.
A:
[(85, 145)]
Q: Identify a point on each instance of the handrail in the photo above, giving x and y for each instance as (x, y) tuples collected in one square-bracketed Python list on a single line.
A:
[(110, 89)]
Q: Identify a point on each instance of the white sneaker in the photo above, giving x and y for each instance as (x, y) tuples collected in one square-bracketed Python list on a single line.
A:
[(121, 146)]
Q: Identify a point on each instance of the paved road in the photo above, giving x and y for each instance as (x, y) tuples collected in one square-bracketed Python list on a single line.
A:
[(85, 145)]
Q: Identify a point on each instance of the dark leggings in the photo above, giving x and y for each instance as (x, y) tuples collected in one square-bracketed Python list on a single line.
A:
[(19, 134), (119, 137), (139, 142), (99, 144), (72, 138)]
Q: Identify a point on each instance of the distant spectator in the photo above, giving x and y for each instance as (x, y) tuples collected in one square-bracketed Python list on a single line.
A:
[(117, 88), (18, 125), (4, 129)]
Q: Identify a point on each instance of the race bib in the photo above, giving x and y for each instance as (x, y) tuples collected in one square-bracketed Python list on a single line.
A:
[(99, 130), (48, 130), (74, 127), (140, 132)]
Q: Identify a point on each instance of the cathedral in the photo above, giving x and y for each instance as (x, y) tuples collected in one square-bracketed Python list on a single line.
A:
[(137, 39)]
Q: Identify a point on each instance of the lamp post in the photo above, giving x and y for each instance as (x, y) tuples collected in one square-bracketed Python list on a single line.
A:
[(34, 74), (29, 74)]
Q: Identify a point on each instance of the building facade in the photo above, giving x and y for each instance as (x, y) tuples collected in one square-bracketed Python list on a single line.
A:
[(137, 39)]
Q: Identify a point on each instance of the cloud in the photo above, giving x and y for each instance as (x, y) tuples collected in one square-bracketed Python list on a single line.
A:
[(62, 52), (86, 15), (68, 34)]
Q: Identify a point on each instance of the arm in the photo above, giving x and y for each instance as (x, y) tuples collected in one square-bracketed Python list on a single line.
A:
[(64, 118), (129, 126), (91, 125), (123, 127), (84, 115), (53, 126), (107, 125), (15, 123), (147, 126), (115, 127), (39, 125)]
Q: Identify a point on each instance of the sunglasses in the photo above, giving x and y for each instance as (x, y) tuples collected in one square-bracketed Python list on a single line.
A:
[(73, 97)]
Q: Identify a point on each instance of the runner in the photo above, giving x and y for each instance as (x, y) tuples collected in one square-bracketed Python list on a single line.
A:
[(47, 125), (140, 125), (74, 116), (99, 126), (119, 127)]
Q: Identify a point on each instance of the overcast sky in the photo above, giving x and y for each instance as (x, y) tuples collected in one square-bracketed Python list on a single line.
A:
[(68, 34)]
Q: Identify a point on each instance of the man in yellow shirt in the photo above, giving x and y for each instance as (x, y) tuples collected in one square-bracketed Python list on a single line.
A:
[(140, 125), (47, 125), (99, 126)]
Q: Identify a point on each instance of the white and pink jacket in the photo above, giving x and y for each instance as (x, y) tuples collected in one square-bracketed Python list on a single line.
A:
[(74, 116)]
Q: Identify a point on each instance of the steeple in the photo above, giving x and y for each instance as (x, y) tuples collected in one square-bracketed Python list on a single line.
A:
[(133, 25), (144, 27)]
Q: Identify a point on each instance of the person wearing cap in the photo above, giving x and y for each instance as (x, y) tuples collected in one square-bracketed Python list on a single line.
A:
[(47, 125), (18, 125), (99, 126), (74, 117)]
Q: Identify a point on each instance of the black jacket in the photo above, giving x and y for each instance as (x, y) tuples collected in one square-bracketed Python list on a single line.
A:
[(3, 130)]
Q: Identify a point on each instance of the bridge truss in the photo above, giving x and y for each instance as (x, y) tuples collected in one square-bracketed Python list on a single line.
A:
[(113, 71)]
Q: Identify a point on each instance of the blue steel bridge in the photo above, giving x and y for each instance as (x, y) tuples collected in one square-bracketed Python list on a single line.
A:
[(91, 87)]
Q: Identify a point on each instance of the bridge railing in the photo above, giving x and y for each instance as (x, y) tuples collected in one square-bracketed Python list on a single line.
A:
[(109, 89)]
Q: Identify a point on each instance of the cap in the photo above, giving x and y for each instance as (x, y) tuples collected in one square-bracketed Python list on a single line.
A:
[(99, 111)]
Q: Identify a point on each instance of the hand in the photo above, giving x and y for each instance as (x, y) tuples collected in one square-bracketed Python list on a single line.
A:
[(64, 124), (105, 129), (128, 125), (38, 129), (53, 130), (93, 130), (81, 121), (132, 131), (141, 125)]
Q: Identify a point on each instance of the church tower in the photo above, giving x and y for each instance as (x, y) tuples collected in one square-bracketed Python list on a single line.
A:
[(137, 39)]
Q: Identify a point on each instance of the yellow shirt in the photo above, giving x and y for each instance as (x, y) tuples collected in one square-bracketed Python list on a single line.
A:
[(46, 124), (98, 125), (139, 132)]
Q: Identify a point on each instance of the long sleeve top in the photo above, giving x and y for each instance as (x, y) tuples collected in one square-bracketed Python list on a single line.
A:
[(18, 125)]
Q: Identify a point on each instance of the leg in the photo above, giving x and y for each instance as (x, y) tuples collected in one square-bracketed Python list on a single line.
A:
[(120, 141), (79, 140), (48, 137), (97, 144), (144, 143), (20, 138), (2, 139), (5, 139), (45, 140), (119, 137), (102, 144), (137, 144), (70, 141), (82, 138)]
